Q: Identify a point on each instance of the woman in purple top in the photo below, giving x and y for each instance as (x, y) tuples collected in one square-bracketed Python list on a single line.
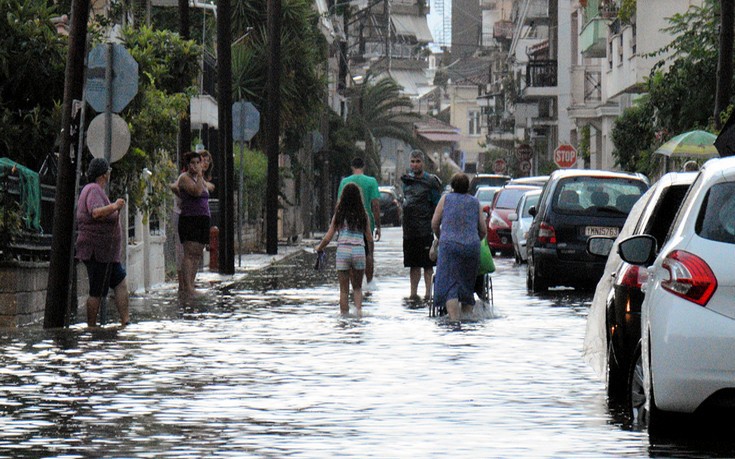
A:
[(459, 224), (99, 241), (194, 220)]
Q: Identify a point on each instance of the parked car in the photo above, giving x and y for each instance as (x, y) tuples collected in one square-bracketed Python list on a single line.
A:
[(520, 222), (391, 209), (574, 205), (685, 359), (487, 180), (485, 194), (498, 224), (619, 290)]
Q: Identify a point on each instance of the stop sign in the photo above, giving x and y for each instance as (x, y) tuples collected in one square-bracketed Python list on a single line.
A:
[(565, 156)]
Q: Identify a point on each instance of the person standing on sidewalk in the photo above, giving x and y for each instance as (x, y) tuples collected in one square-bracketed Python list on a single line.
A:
[(355, 240), (99, 240), (194, 220), (371, 201), (421, 192)]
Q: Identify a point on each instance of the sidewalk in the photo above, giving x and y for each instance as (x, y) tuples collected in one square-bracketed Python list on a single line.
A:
[(248, 262)]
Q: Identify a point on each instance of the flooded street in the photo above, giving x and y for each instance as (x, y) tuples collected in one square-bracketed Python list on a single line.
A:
[(268, 368)]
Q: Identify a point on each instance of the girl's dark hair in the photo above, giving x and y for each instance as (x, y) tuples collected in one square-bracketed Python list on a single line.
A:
[(460, 183), (188, 156), (350, 209)]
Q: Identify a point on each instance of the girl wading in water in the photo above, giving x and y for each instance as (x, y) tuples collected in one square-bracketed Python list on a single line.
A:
[(351, 222)]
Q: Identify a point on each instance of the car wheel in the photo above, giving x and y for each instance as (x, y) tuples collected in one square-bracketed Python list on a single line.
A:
[(538, 284), (617, 371), (636, 391), (650, 417)]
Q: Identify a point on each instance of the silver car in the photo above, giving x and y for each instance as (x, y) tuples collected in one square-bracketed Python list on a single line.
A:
[(520, 222), (485, 194)]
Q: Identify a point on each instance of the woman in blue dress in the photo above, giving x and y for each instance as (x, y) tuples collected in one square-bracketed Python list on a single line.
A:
[(459, 224)]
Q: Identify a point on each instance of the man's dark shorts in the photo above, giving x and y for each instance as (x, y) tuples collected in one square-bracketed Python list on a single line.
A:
[(98, 285), (194, 229), (416, 252)]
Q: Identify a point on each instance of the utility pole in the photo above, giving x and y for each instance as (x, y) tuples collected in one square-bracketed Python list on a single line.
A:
[(62, 245), (185, 122), (272, 123), (386, 8), (225, 164), (724, 61)]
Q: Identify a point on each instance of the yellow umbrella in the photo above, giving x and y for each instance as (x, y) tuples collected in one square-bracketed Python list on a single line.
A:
[(692, 144)]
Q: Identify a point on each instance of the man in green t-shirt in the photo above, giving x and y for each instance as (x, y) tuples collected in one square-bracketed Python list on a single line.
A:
[(371, 199)]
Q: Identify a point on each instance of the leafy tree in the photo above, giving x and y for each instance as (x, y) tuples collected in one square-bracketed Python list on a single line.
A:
[(164, 62), (378, 110), (32, 62), (680, 91), (303, 52)]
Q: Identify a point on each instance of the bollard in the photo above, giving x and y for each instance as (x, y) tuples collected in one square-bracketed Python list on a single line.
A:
[(213, 248)]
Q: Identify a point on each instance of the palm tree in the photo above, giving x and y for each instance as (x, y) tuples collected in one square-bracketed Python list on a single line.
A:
[(379, 110)]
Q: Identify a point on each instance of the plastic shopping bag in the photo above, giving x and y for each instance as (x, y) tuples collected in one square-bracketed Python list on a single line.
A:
[(487, 265)]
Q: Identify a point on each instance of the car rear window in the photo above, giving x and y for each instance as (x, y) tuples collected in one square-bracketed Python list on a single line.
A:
[(509, 197), (716, 220), (386, 196), (485, 195), (597, 195)]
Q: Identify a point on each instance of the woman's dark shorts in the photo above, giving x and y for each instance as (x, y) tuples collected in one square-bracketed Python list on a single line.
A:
[(98, 284), (194, 229), (416, 252)]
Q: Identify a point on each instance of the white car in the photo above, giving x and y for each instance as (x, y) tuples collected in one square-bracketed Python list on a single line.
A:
[(485, 194), (520, 222), (686, 354)]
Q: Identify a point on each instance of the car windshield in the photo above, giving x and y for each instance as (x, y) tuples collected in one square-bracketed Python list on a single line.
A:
[(598, 195), (386, 196), (716, 220), (509, 198), (531, 201)]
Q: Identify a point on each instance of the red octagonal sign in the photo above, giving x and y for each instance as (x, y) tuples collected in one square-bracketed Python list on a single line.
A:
[(565, 156)]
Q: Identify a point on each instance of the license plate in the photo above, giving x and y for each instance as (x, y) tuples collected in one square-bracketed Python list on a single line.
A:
[(611, 231)]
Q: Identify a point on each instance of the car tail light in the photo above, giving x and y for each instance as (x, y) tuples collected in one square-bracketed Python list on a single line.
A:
[(496, 221), (689, 277), (546, 234), (631, 276)]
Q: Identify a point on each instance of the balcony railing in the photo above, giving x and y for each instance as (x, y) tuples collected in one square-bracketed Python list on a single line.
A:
[(541, 73)]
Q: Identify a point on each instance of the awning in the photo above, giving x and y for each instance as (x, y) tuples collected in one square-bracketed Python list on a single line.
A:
[(412, 26), (413, 81), (441, 136)]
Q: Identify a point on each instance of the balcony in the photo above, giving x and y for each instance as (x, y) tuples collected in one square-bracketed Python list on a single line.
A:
[(593, 39), (541, 79)]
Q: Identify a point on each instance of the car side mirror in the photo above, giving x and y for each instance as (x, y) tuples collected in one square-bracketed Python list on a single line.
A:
[(532, 211), (600, 246), (486, 209), (638, 250), (513, 217)]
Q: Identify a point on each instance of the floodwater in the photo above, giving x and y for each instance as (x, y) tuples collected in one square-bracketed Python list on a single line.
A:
[(268, 368)]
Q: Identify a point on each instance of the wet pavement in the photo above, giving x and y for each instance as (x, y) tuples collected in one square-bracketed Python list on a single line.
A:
[(263, 365)]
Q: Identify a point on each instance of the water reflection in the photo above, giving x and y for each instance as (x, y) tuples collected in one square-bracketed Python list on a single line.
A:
[(269, 368)]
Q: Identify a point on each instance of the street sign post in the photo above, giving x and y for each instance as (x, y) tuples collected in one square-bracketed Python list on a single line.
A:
[(245, 124), (565, 156), (245, 121), (499, 166), (124, 81), (120, 137), (524, 152)]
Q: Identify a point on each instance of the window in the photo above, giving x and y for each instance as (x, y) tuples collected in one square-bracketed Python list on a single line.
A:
[(716, 220), (473, 119)]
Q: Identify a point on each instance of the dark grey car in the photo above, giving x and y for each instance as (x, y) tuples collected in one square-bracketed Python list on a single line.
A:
[(574, 205)]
